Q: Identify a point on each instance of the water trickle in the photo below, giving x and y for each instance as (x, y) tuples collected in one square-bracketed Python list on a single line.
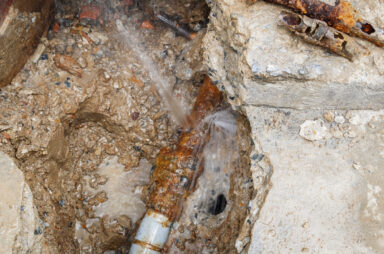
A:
[(218, 158), (216, 207), (131, 39)]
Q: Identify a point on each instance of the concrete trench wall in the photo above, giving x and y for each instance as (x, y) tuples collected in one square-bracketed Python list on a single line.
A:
[(317, 117)]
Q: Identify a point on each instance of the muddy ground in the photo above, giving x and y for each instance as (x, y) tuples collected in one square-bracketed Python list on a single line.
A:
[(85, 101)]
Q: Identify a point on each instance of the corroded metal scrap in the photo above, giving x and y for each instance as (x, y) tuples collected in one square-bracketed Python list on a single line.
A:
[(176, 170), (341, 16), (319, 33)]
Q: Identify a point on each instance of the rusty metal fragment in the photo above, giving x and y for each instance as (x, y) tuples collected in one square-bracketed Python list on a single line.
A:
[(319, 33), (341, 16), (175, 26)]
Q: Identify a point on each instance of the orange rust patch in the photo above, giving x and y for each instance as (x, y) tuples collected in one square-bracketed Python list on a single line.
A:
[(6, 135), (208, 99), (137, 81), (56, 27), (85, 36), (192, 36), (147, 245), (146, 24), (301, 7), (345, 17)]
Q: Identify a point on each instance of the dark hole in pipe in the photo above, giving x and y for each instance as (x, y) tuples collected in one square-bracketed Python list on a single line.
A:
[(367, 28), (338, 36), (218, 206), (292, 20)]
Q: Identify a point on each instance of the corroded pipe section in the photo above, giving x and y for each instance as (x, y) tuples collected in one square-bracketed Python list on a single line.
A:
[(341, 16), (175, 174), (175, 170), (319, 33)]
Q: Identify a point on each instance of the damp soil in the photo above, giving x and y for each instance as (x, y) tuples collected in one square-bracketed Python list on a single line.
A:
[(60, 127)]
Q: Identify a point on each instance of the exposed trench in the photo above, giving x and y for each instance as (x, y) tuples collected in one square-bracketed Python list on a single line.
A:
[(70, 134)]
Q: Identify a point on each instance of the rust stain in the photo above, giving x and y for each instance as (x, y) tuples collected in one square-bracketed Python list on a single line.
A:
[(154, 214), (145, 245), (301, 7), (85, 36), (175, 170), (137, 81), (6, 135)]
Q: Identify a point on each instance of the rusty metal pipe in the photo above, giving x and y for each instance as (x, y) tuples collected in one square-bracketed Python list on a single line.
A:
[(175, 175), (319, 33), (342, 16)]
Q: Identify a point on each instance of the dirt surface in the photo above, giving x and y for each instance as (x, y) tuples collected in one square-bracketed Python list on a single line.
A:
[(88, 98)]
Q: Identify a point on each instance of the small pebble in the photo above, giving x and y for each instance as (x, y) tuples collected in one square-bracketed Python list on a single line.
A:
[(58, 83), (37, 231), (82, 62), (146, 24), (257, 157), (340, 119), (44, 57), (164, 54), (329, 116), (135, 115)]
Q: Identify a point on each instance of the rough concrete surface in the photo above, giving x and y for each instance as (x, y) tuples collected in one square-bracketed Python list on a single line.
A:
[(326, 194), (267, 65), (19, 224), (311, 115)]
